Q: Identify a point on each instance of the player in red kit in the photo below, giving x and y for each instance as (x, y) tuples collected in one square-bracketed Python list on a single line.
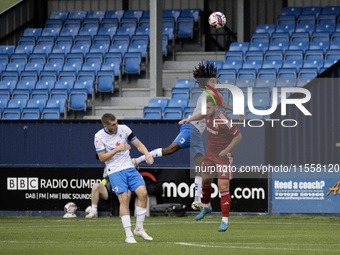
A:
[(223, 136)]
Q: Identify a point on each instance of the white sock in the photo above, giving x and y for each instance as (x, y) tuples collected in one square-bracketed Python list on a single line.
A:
[(206, 205), (127, 224), (225, 219), (154, 153), (140, 213), (94, 207), (198, 189)]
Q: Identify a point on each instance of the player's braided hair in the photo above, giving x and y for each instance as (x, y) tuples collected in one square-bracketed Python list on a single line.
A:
[(207, 70)]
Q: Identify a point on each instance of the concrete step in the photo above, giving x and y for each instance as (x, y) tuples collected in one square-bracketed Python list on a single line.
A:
[(200, 56), (135, 92), (129, 101), (179, 65), (177, 74)]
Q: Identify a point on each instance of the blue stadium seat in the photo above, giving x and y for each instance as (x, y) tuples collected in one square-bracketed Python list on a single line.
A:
[(287, 77), (266, 78), (331, 10), (299, 46), (312, 10), (173, 113), (73, 23), (129, 22), (324, 46), (54, 66), (306, 75), (46, 40), (143, 31), (236, 46), (50, 114), (332, 54), (299, 37), (77, 15), (152, 113), (105, 81), (286, 20), (85, 81), (112, 23), (288, 28), (169, 31), (134, 14), (113, 61), (141, 48), (293, 63), (178, 103), (296, 11), (185, 27), (254, 55), (172, 13), (252, 64), (92, 31), (273, 55), (65, 83), (117, 14), (36, 32), (3, 103), (11, 113), (283, 46), (92, 63), (110, 31), (59, 15), (314, 54), (77, 100), (266, 28), (246, 78), (35, 66), (26, 40), (54, 23), (146, 14), (50, 32), (233, 55), (62, 48), (261, 100), (185, 83), (119, 48), (132, 63), (194, 12), (335, 38), (96, 15), (58, 103), (180, 93), (261, 46), (36, 103), (320, 37), (144, 22), (314, 63), (69, 31), (330, 28), (328, 63), (17, 67), (282, 37), (24, 49), (294, 55), (43, 49), (260, 37), (236, 65), (158, 102), (80, 48), (309, 28), (7, 49), (226, 77), (327, 19), (305, 19), (130, 31)]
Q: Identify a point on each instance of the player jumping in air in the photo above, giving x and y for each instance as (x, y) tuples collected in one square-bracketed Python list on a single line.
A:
[(191, 134), (222, 138), (112, 148)]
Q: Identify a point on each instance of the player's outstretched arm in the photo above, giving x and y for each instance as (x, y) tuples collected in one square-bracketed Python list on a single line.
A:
[(142, 149), (228, 107), (105, 156), (195, 117), (232, 145)]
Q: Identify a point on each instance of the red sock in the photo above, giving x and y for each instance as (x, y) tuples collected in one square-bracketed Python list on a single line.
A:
[(206, 191), (225, 203)]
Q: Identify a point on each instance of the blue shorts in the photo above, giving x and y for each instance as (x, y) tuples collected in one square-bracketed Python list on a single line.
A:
[(125, 180), (190, 137)]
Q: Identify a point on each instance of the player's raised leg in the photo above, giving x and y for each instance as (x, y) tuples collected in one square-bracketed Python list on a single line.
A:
[(98, 191), (142, 195), (223, 185)]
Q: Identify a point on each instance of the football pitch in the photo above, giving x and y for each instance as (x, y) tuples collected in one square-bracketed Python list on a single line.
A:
[(172, 235)]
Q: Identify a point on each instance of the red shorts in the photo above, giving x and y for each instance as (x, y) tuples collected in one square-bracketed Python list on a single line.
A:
[(210, 168)]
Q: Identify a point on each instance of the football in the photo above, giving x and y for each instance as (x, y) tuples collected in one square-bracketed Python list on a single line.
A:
[(88, 210), (217, 20), (70, 208)]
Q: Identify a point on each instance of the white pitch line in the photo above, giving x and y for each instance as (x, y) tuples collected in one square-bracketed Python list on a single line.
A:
[(252, 247)]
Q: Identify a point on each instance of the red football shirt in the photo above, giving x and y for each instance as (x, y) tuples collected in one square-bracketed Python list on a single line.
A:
[(220, 134)]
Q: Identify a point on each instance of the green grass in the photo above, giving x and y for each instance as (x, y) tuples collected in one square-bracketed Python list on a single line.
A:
[(4, 4), (245, 235)]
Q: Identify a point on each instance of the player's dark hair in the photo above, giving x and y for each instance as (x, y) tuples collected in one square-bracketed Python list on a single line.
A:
[(107, 117), (211, 100), (207, 70)]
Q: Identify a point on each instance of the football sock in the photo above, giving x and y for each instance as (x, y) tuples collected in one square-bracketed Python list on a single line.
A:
[(154, 153), (127, 224), (140, 213), (206, 191), (198, 189), (225, 219), (225, 203), (94, 207)]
